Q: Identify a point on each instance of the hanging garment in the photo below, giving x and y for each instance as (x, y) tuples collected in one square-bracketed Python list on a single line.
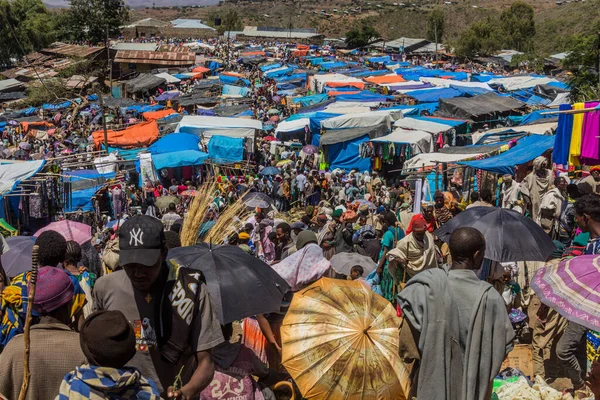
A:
[(575, 146), (562, 140), (590, 143)]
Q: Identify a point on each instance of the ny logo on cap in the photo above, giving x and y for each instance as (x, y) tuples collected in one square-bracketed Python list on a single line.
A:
[(136, 237)]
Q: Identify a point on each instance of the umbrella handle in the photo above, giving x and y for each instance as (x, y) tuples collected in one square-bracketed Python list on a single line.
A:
[(288, 385)]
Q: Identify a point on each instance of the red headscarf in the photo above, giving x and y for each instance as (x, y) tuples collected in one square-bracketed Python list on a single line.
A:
[(417, 221)]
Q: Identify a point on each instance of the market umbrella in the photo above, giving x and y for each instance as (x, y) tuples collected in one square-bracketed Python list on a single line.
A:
[(240, 285), (283, 162), (270, 139), (189, 193), (310, 149), (303, 267), (258, 199), (572, 288), (270, 171), (340, 341), (18, 258), (70, 230), (343, 262), (509, 236), (362, 202), (273, 111), (163, 202)]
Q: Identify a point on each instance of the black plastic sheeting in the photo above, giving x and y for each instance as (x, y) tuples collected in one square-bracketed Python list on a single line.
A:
[(143, 83), (480, 107), (344, 135)]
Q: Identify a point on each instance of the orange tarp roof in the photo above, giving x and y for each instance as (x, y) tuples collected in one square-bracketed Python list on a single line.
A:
[(300, 53), (154, 115), (385, 79), (37, 125), (201, 69), (358, 85), (230, 73), (341, 93), (302, 47), (140, 135), (253, 53)]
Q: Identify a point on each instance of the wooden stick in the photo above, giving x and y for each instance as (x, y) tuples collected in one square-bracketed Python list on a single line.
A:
[(581, 111), (27, 329)]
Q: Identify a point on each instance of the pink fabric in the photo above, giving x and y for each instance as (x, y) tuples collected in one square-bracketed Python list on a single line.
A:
[(590, 143), (303, 267)]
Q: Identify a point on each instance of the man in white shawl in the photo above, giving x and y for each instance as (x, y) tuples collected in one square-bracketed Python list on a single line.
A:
[(416, 251), (551, 206), (535, 184), (511, 194), (455, 326)]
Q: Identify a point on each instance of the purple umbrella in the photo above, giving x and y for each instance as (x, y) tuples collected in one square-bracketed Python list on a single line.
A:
[(572, 288), (18, 258), (310, 149), (167, 96), (70, 230)]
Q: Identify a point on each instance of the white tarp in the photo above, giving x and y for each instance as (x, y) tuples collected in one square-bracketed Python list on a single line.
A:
[(439, 82), (511, 83), (291, 126), (431, 127), (430, 159), (561, 98), (318, 82), (11, 174), (168, 77), (536, 129), (420, 141), (207, 126), (362, 120), (106, 164), (348, 104)]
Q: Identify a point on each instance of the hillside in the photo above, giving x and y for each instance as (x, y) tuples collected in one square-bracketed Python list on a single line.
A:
[(392, 18)]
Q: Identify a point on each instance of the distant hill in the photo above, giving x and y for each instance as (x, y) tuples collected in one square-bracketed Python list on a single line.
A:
[(143, 3)]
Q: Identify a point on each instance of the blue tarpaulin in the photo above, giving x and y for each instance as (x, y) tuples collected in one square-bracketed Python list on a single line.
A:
[(364, 96), (344, 155), (232, 90), (268, 67), (292, 77), (413, 74), (276, 73), (309, 100), (233, 80), (213, 65), (81, 200), (247, 113), (59, 106), (315, 120), (380, 60), (431, 95), (471, 91), (225, 149), (175, 142), (177, 159), (526, 150), (417, 108)]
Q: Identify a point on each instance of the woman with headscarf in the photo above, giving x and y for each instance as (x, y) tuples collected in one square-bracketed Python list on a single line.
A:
[(535, 185)]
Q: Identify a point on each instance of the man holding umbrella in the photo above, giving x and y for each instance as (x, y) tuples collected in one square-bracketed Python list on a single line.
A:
[(174, 320)]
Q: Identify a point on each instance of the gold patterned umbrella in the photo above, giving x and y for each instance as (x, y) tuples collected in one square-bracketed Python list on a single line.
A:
[(340, 341)]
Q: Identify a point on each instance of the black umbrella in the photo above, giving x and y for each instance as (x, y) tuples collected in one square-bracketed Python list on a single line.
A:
[(258, 199), (240, 285), (509, 236)]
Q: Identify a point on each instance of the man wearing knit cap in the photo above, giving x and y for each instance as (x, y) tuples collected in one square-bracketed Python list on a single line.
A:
[(173, 319), (108, 342), (54, 346)]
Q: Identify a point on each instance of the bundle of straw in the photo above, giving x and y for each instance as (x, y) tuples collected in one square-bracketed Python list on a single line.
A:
[(228, 222), (196, 214)]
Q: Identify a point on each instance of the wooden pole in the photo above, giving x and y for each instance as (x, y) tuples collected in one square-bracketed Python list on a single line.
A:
[(27, 329), (581, 111)]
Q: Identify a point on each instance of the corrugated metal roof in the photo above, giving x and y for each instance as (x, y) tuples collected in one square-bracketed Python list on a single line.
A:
[(72, 50), (255, 32), (190, 24), (10, 84), (404, 42), (173, 48), (155, 57), (135, 46)]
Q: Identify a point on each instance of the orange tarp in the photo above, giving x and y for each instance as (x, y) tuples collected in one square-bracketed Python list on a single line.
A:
[(341, 93), (385, 79), (229, 73), (154, 115), (358, 85), (302, 47), (300, 53), (253, 53), (140, 135), (201, 69), (25, 126)]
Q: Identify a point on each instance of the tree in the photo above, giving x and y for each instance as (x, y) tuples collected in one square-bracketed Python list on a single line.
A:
[(360, 37), (518, 26), (436, 22), (89, 20), (25, 26), (582, 62), (482, 38)]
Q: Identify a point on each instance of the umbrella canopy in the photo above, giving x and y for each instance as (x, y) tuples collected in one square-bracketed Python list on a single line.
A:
[(70, 230), (273, 111), (270, 171), (509, 236), (240, 285), (258, 199), (342, 263), (303, 267), (270, 139), (369, 204), (283, 162), (355, 357), (163, 201), (18, 258), (310, 149), (572, 288)]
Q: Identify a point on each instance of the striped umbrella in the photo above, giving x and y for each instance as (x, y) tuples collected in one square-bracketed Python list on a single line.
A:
[(572, 288)]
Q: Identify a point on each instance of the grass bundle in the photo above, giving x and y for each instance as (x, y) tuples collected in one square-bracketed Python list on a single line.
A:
[(228, 222), (196, 213)]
